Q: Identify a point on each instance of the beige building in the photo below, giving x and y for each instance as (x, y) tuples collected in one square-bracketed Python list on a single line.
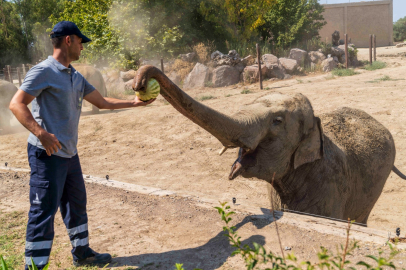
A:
[(359, 20)]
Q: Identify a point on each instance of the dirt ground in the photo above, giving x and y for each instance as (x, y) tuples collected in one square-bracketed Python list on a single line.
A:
[(158, 147), (155, 232)]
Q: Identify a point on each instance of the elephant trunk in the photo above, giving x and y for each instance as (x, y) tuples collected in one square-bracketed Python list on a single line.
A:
[(226, 129)]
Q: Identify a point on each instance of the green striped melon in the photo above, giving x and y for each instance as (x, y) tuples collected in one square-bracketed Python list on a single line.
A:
[(152, 91)]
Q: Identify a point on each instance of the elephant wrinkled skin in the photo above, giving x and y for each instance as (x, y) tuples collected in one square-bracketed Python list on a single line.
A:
[(334, 165), (7, 91), (94, 77)]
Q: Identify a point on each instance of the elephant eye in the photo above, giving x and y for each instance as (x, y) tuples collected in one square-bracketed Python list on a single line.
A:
[(277, 120)]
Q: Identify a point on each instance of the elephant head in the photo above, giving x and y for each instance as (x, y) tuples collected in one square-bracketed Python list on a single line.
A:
[(275, 133)]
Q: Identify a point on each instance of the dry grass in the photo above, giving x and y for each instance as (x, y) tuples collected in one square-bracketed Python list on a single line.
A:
[(203, 51), (182, 68)]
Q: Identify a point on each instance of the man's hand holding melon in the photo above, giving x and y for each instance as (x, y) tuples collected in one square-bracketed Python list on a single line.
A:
[(149, 95)]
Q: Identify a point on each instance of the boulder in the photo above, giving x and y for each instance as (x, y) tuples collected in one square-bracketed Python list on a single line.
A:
[(298, 54), (216, 54), (197, 77), (188, 57), (270, 59), (400, 45), (290, 65), (316, 57), (175, 78), (240, 67), (251, 74), (275, 71), (329, 64), (225, 75), (246, 59), (128, 75), (338, 51)]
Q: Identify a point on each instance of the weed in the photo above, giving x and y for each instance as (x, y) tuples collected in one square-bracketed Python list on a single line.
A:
[(246, 91), (203, 98), (330, 77), (384, 78), (208, 84), (344, 72), (228, 95), (375, 65), (299, 81), (267, 88), (257, 255)]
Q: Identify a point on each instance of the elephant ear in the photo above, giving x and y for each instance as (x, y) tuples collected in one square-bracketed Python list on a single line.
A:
[(311, 147)]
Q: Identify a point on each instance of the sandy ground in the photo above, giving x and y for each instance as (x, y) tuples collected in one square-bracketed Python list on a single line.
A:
[(157, 146), (153, 232)]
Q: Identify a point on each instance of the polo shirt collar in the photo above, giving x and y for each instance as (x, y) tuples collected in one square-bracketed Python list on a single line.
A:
[(59, 65)]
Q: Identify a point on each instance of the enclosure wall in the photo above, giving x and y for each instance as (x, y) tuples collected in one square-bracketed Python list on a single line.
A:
[(359, 20)]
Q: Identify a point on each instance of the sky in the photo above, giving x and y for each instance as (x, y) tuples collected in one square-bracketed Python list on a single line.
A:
[(399, 6)]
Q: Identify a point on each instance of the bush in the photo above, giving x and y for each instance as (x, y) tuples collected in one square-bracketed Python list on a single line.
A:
[(399, 30), (375, 65), (257, 255), (182, 68)]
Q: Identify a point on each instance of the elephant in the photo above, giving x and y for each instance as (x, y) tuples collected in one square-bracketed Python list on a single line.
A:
[(94, 77), (333, 165), (7, 91)]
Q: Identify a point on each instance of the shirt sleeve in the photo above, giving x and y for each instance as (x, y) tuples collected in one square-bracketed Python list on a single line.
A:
[(35, 81), (88, 88)]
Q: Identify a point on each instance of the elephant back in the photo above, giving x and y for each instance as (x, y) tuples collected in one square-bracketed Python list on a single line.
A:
[(369, 152), (93, 76)]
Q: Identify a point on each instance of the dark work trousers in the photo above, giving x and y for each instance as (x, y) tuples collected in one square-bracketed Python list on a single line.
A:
[(55, 182)]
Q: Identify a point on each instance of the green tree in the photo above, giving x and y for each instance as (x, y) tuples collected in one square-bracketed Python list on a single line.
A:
[(35, 21), (399, 30), (91, 16), (242, 18), (12, 40), (292, 21)]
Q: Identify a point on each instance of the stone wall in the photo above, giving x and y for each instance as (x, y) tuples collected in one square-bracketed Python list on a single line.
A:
[(359, 20)]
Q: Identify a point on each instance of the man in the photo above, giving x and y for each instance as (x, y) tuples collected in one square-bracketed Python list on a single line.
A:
[(56, 91)]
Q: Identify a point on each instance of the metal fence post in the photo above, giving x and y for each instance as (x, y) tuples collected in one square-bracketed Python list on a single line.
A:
[(346, 51), (370, 49), (259, 67), (374, 47)]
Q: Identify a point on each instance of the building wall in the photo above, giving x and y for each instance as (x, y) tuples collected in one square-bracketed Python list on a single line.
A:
[(359, 20)]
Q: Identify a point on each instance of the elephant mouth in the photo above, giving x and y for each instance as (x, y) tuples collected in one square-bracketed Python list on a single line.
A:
[(245, 159)]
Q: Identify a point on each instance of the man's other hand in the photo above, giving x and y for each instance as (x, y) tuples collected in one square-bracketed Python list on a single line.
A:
[(49, 142), (139, 102)]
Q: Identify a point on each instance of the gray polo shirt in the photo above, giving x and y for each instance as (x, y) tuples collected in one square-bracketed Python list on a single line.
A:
[(58, 93)]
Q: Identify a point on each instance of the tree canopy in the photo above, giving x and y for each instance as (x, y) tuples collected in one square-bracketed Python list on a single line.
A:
[(125, 31), (399, 30)]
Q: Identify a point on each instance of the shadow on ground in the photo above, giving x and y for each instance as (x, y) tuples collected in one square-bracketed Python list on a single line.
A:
[(209, 256)]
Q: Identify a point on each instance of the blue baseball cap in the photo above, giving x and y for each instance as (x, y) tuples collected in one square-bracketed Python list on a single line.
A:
[(65, 28)]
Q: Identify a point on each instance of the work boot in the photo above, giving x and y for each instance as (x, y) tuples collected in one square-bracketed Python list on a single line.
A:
[(94, 259)]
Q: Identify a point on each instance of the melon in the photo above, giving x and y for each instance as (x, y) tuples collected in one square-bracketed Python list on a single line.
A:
[(152, 91)]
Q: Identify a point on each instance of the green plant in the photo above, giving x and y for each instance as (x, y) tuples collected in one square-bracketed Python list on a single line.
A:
[(257, 255), (399, 30), (375, 65), (208, 84), (246, 91), (203, 98), (344, 72), (299, 81)]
